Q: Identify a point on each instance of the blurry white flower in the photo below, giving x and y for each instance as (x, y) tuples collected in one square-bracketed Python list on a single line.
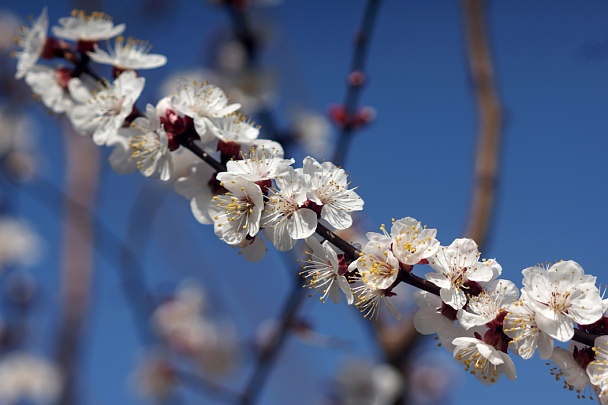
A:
[(251, 89), (89, 28), (31, 40), (51, 86), (363, 384), (19, 244), (129, 55), (26, 377), (313, 131), (155, 376), (432, 378)]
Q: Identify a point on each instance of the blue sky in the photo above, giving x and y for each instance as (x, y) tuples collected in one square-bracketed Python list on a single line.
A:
[(551, 64)]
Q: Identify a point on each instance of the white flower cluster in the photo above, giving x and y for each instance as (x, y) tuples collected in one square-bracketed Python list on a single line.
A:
[(249, 189)]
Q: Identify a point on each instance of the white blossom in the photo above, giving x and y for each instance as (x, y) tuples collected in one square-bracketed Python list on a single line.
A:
[(149, 145), (482, 360), (231, 128), (90, 28), (201, 101), (520, 325), (101, 114), (487, 305), (378, 267), (561, 296), (329, 189), (454, 266), (31, 40), (258, 165), (284, 218), (597, 370), (322, 272), (412, 242), (128, 55), (236, 214), (575, 376), (19, 244)]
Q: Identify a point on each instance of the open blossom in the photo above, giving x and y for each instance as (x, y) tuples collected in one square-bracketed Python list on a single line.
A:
[(234, 128), (51, 86), (101, 114), (258, 165), (482, 360), (284, 218), (520, 325), (236, 214), (377, 267), (369, 298), (323, 274), (31, 40), (571, 365), (128, 55), (454, 266), (597, 370), (148, 143), (412, 242), (491, 302), (90, 28), (329, 189), (201, 101), (561, 296)]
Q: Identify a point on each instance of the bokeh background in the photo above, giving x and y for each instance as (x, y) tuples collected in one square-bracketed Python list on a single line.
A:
[(415, 159)]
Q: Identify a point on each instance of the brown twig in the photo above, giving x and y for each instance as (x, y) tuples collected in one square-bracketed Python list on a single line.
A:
[(490, 123)]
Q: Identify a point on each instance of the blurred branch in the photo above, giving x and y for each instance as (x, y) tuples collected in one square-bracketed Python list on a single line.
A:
[(356, 79), (82, 173), (490, 123)]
